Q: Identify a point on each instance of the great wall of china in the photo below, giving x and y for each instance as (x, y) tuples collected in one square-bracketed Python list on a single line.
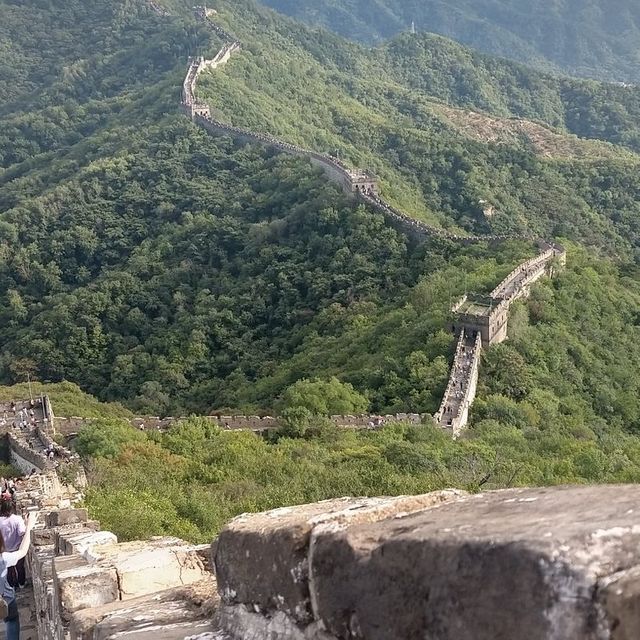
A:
[(479, 321), (440, 566)]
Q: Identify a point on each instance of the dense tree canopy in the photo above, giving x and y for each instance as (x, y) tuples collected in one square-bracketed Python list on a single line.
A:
[(176, 273)]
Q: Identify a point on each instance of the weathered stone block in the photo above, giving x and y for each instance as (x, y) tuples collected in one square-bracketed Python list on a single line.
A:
[(187, 630), (80, 541), (81, 586), (520, 564), (66, 516), (146, 567), (176, 608), (42, 537), (41, 559), (71, 529), (262, 559), (619, 595)]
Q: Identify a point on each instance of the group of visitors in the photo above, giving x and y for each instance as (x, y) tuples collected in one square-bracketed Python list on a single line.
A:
[(50, 451), (23, 417), (15, 533), (460, 373)]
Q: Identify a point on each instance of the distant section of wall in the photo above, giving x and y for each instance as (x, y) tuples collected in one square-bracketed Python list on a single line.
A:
[(24, 458), (482, 322), (71, 426), (460, 393)]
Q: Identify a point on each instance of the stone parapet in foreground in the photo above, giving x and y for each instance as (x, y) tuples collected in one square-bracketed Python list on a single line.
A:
[(524, 564)]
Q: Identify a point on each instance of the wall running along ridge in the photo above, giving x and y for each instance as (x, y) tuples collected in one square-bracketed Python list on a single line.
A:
[(85, 585), (343, 569), (474, 329)]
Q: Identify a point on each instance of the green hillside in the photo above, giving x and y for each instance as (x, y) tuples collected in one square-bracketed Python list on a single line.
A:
[(173, 272), (591, 38)]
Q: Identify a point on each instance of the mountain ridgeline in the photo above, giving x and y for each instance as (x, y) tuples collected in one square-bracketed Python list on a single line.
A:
[(590, 38), (175, 272)]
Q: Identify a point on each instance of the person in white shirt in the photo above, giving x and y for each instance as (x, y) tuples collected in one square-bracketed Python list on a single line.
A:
[(12, 529), (10, 559)]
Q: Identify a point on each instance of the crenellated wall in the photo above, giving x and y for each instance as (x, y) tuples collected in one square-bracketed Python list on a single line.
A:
[(71, 426), (482, 321), (460, 393), (361, 183), (87, 586)]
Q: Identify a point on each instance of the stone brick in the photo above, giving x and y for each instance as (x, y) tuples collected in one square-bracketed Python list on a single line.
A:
[(146, 567), (42, 537), (619, 595), (81, 586), (66, 516), (80, 541), (522, 564), (262, 559), (186, 630), (171, 609), (71, 529), (41, 559)]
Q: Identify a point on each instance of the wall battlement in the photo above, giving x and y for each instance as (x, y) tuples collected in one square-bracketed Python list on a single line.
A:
[(259, 424)]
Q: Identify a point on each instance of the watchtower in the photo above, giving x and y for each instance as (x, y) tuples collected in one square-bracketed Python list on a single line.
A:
[(362, 181), (481, 315)]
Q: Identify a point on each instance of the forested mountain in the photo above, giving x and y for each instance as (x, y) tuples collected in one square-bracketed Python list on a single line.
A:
[(590, 38), (175, 272)]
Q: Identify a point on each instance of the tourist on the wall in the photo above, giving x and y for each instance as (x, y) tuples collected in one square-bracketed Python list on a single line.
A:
[(10, 559), (12, 529)]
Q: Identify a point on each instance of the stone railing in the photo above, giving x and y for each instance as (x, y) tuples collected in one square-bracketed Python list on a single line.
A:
[(86, 585), (457, 357), (70, 426)]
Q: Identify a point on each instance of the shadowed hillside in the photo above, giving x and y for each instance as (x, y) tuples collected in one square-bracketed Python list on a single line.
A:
[(590, 38)]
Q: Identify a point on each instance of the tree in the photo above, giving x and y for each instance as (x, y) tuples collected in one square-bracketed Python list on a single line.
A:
[(324, 397)]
